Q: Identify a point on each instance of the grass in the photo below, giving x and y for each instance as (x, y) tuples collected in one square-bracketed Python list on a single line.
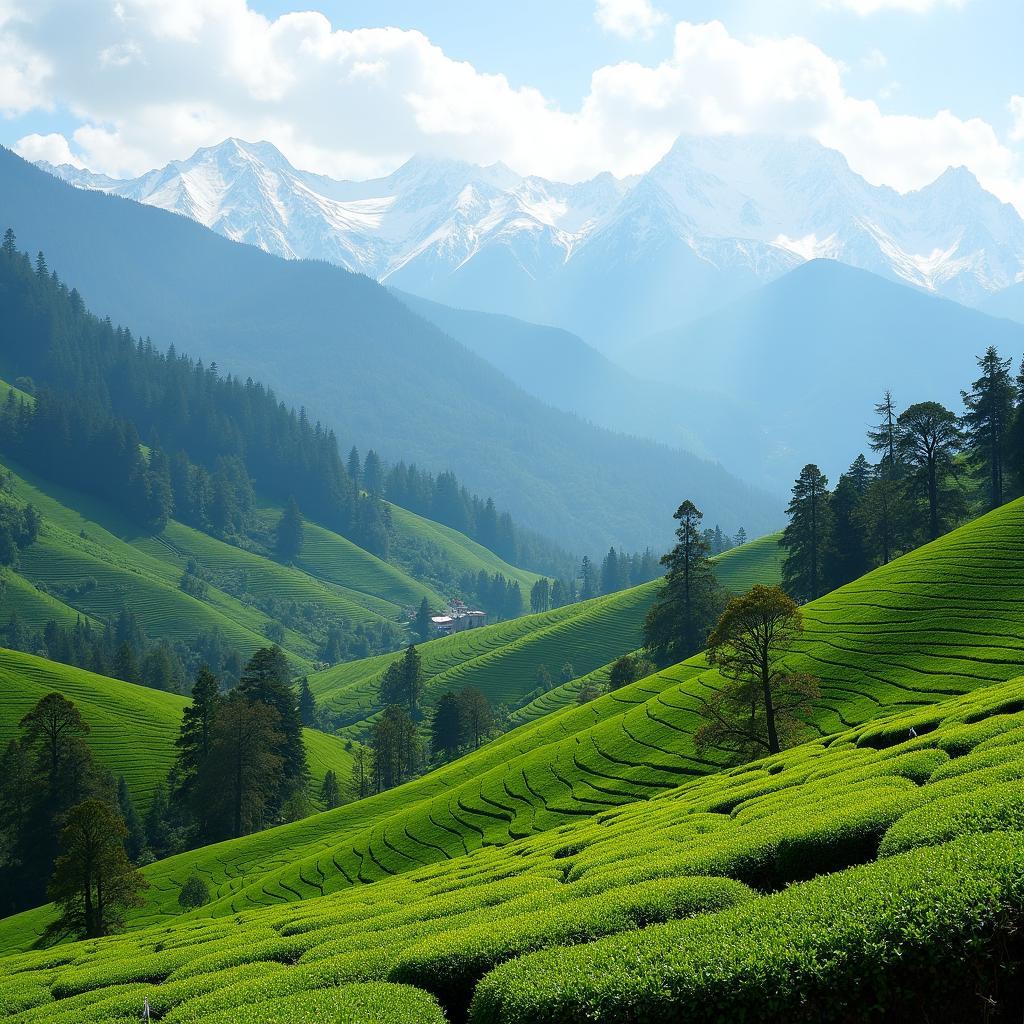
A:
[(132, 728), (874, 647), (768, 892)]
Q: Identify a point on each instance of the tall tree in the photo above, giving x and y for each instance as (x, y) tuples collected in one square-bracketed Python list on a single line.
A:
[(446, 726), (678, 620), (241, 780), (846, 557), (267, 679), (761, 706), (330, 791), (475, 715), (288, 533), (194, 741), (93, 881), (540, 595), (808, 535), (395, 746), (412, 680), (422, 624), (987, 418), (307, 704), (628, 669), (135, 833), (929, 438)]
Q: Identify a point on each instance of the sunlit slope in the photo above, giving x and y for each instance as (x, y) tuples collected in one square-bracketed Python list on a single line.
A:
[(757, 561), (698, 903), (33, 607), (464, 555), (872, 654), (132, 728)]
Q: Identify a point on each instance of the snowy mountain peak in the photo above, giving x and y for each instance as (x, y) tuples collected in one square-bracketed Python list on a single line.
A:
[(714, 216)]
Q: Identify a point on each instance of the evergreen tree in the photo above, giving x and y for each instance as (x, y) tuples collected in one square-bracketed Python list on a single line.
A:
[(678, 620), (588, 582), (412, 680), (540, 595), (395, 747), (422, 625), (446, 726), (846, 557), (93, 880), (373, 474), (266, 679), (288, 534), (611, 573), (135, 833), (354, 467), (157, 823), (807, 538), (307, 704), (194, 742), (929, 437), (475, 715), (241, 781), (741, 537), (361, 770), (330, 791), (987, 419)]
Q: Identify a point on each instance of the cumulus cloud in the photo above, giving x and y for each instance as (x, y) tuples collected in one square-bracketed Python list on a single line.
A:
[(1017, 112), (52, 148), (630, 19), (151, 80)]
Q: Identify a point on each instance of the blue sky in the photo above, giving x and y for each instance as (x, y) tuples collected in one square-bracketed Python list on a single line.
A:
[(564, 88)]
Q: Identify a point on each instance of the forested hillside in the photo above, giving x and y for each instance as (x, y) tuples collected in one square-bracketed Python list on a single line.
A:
[(335, 343)]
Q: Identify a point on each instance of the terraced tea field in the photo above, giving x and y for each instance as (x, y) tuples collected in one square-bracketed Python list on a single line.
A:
[(818, 878), (132, 728), (873, 656)]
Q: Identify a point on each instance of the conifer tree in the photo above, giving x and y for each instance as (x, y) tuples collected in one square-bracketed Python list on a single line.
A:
[(307, 704), (194, 743), (446, 726), (929, 438), (808, 535), (987, 419), (288, 534), (330, 791), (135, 834), (678, 620), (422, 624)]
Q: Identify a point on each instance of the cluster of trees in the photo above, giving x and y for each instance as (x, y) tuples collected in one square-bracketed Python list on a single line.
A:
[(933, 468), (63, 830), (122, 650), (241, 763), (19, 525), (443, 499)]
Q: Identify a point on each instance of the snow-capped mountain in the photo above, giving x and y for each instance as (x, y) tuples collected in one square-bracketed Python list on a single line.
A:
[(609, 258)]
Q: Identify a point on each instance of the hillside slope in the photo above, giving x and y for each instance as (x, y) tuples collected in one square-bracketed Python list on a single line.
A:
[(132, 728), (701, 904), (941, 621), (334, 342)]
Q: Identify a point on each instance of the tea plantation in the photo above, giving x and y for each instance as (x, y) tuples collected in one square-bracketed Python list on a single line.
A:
[(870, 865), (874, 643)]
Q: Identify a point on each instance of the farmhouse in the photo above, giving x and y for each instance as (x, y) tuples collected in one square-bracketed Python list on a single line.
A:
[(458, 618)]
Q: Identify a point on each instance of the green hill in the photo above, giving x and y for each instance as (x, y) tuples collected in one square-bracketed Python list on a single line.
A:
[(938, 622), (132, 728), (870, 868)]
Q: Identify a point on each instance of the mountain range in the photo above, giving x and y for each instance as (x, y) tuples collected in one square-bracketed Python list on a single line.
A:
[(363, 363), (610, 259)]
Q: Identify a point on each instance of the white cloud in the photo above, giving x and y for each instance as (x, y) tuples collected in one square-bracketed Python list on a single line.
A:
[(1017, 110), (53, 148), (357, 103), (866, 7), (630, 19)]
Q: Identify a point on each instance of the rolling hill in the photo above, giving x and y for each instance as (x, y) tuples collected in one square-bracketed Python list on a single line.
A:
[(132, 728), (848, 872), (347, 340), (933, 625), (798, 336)]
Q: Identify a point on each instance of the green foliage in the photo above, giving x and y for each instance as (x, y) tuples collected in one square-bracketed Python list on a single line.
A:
[(194, 893)]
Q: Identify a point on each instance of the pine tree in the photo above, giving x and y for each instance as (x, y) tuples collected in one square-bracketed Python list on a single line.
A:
[(135, 834), (446, 726), (267, 679), (354, 467), (307, 704), (10, 244), (929, 438), (987, 419), (678, 620), (807, 537), (475, 715), (412, 680), (330, 791), (846, 557), (540, 595), (422, 625), (288, 534), (194, 743)]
